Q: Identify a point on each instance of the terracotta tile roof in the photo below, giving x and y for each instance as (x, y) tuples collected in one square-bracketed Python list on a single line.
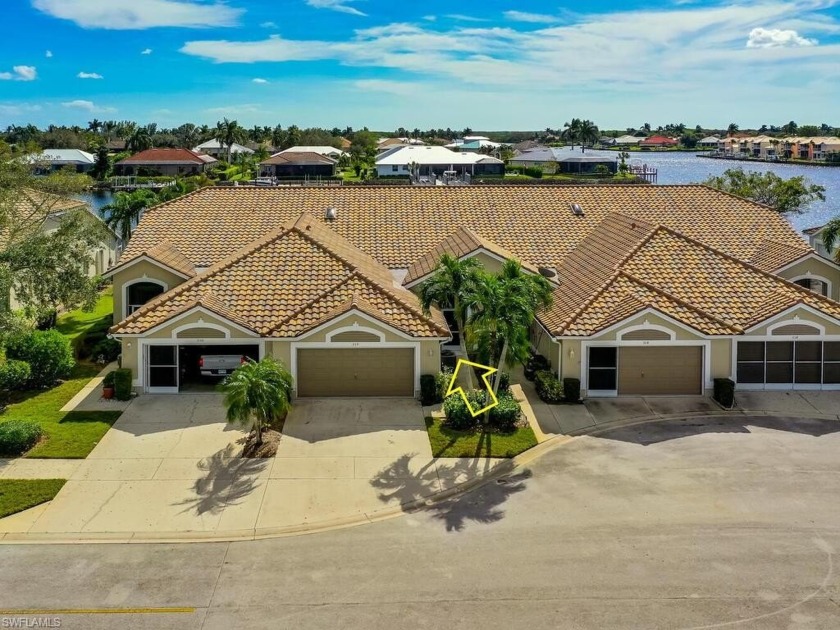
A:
[(462, 242), (302, 157), (398, 225), (772, 255), (164, 156), (31, 207), (166, 254), (704, 288), (289, 281)]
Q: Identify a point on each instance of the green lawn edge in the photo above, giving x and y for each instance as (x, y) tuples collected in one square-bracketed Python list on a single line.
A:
[(17, 495), (450, 443), (76, 323)]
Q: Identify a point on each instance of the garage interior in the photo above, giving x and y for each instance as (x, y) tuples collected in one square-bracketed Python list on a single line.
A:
[(177, 366)]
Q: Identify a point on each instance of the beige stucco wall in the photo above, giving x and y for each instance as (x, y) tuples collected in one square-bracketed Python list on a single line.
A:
[(129, 357), (570, 359), (545, 345), (199, 318), (353, 321), (816, 266), (721, 360), (832, 327), (139, 271)]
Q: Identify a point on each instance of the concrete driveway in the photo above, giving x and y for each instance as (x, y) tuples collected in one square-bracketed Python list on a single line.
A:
[(172, 465)]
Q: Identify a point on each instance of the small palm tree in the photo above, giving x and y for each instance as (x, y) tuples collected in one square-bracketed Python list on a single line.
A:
[(831, 237), (229, 132), (257, 393), (571, 131), (122, 214), (450, 286)]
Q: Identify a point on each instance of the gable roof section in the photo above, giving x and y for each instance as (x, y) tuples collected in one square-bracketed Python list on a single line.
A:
[(397, 225), (165, 156), (301, 157), (462, 243), (287, 282), (166, 254), (712, 292)]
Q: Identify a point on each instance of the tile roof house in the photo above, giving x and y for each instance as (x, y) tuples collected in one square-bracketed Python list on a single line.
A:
[(164, 162), (435, 160), (294, 164), (330, 152), (660, 142), (657, 289)]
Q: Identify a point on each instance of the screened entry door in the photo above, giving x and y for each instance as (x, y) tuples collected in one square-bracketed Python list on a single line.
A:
[(789, 364), (162, 369)]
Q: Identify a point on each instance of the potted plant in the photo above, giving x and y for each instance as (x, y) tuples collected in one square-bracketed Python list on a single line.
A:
[(108, 386)]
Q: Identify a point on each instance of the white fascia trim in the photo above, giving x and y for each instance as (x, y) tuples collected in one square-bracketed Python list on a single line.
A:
[(354, 312), (203, 311), (650, 311), (209, 325), (813, 276), (355, 328), (145, 258), (144, 279), (671, 334), (796, 322), (786, 313), (808, 256)]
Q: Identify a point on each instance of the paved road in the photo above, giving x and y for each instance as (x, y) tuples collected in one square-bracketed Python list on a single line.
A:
[(690, 524)]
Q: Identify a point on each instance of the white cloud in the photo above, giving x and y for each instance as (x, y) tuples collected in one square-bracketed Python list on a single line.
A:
[(400, 88), (268, 25), (234, 110), (535, 18), (146, 51), (430, 18), (777, 38), (18, 109), (335, 5), (133, 15), (88, 106), (20, 73), (89, 75), (48, 54), (460, 17), (258, 80)]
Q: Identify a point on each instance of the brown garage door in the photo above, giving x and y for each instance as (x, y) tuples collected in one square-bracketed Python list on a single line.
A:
[(356, 372), (660, 370)]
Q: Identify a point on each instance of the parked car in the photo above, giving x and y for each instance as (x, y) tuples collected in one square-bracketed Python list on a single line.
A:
[(219, 364)]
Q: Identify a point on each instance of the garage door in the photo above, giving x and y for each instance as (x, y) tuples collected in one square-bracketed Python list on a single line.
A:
[(660, 371), (355, 372)]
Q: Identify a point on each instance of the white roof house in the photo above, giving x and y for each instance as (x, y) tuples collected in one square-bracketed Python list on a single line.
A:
[(321, 150), (627, 140), (216, 147), (395, 161), (709, 141), (62, 157)]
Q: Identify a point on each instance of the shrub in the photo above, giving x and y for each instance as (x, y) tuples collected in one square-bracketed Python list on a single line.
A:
[(428, 389), (14, 375), (533, 171), (108, 349), (548, 387), (122, 384), (724, 392), (571, 387), (108, 379), (442, 380), (504, 415), (535, 363), (504, 382), (457, 414), (18, 436), (47, 352)]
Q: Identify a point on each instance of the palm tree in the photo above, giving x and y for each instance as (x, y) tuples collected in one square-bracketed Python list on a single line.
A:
[(733, 128), (450, 286), (229, 132), (587, 134), (140, 140), (257, 393), (503, 308), (122, 214), (95, 125), (571, 131), (831, 237)]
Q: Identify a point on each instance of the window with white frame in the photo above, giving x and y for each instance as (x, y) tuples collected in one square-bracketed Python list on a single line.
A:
[(812, 284)]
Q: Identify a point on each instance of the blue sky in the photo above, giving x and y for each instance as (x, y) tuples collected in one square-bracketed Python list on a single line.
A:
[(495, 64)]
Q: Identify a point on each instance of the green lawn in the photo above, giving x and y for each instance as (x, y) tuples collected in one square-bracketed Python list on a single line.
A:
[(70, 434), (77, 323), (17, 495), (449, 443)]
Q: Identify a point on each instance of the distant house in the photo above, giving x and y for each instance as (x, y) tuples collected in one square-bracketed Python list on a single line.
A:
[(433, 160), (218, 149), (330, 152), (606, 141), (116, 146), (56, 159), (303, 164), (627, 141), (164, 162), (557, 160), (709, 142), (472, 143), (537, 157), (658, 142)]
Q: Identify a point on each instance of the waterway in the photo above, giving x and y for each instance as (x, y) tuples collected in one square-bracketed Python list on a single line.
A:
[(687, 168)]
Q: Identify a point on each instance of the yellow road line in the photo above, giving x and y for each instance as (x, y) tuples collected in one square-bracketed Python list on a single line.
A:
[(95, 611)]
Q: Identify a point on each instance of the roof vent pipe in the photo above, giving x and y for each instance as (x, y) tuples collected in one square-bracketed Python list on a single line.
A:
[(576, 209)]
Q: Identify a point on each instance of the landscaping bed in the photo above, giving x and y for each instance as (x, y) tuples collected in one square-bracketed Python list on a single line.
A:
[(17, 495), (489, 442)]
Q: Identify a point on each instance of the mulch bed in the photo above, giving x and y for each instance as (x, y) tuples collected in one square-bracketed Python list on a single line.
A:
[(268, 448)]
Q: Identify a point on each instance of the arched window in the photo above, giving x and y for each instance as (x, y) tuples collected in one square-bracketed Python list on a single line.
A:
[(139, 293), (813, 284)]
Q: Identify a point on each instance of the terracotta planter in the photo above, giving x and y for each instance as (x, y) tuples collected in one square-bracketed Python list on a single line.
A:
[(107, 393)]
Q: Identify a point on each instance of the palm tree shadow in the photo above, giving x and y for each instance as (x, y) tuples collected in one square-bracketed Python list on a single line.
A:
[(227, 480), (406, 485)]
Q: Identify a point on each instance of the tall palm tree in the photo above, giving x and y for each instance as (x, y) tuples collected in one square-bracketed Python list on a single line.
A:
[(450, 286), (229, 132), (503, 308), (830, 235), (587, 134), (571, 131), (140, 140), (122, 214), (258, 392)]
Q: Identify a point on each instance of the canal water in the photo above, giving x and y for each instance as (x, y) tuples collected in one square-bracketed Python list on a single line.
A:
[(687, 168)]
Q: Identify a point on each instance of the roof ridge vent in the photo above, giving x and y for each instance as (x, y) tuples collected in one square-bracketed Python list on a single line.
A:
[(576, 209)]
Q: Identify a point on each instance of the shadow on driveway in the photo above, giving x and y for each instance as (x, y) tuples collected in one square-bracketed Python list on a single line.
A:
[(662, 431), (397, 482), (226, 481)]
